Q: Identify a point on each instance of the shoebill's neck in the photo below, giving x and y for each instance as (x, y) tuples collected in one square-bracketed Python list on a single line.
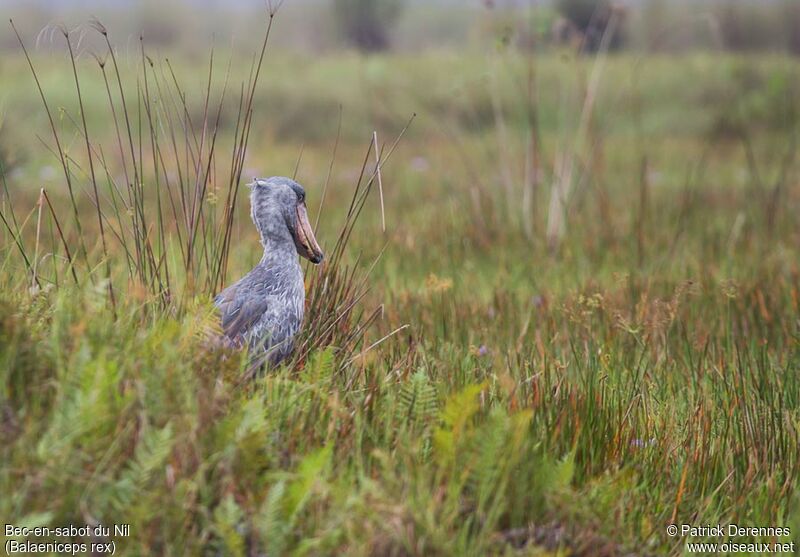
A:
[(279, 252)]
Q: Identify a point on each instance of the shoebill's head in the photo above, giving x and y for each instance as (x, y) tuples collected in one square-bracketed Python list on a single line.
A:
[(278, 208)]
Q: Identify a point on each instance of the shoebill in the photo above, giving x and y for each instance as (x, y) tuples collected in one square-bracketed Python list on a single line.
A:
[(264, 309)]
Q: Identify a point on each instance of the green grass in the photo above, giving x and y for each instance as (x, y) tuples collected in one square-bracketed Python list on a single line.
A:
[(583, 396)]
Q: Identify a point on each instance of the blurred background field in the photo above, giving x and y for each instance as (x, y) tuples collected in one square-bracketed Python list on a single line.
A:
[(579, 325)]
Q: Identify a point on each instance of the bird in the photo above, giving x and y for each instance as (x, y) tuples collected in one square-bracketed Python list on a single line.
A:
[(264, 309)]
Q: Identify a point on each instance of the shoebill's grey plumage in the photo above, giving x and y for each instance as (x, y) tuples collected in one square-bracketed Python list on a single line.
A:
[(264, 309)]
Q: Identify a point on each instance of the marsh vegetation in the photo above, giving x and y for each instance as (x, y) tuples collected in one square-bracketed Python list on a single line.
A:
[(560, 308)]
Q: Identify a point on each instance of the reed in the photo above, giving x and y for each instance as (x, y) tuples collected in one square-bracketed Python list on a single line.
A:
[(158, 226)]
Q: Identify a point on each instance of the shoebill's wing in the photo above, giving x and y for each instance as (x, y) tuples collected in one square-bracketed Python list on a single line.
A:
[(244, 303)]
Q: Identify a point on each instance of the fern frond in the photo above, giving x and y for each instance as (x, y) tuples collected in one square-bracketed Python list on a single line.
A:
[(417, 399)]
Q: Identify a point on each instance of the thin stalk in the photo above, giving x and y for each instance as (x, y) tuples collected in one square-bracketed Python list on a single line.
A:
[(34, 280), (61, 236), (59, 149), (19, 244), (330, 170), (91, 171)]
